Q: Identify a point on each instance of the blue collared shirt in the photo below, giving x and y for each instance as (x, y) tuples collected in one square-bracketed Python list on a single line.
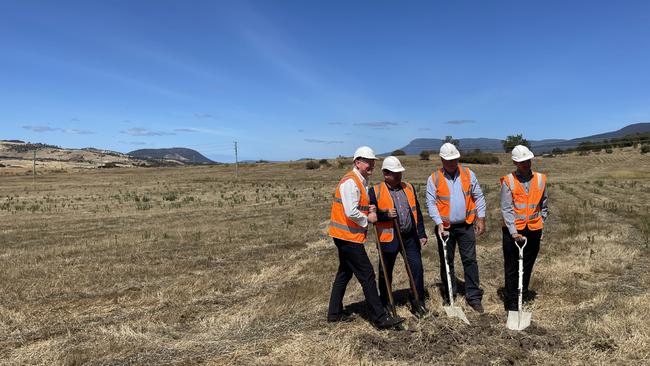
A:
[(457, 199)]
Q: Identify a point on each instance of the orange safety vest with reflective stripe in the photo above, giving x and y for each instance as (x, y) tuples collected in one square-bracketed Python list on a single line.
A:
[(443, 196), (526, 205), (385, 203), (341, 226)]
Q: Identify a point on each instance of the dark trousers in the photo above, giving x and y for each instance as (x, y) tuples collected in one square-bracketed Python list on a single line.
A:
[(463, 235), (414, 255), (511, 264), (354, 260)]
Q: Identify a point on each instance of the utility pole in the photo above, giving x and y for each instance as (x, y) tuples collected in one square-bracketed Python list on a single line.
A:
[(34, 168), (236, 162)]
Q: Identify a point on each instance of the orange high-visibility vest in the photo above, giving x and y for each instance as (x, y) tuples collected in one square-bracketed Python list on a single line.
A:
[(443, 196), (385, 203), (526, 205), (341, 226)]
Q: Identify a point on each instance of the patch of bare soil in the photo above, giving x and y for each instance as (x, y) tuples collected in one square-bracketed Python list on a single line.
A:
[(443, 340)]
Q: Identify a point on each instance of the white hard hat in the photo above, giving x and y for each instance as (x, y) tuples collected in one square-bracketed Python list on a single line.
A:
[(449, 152), (521, 153), (364, 152), (392, 163)]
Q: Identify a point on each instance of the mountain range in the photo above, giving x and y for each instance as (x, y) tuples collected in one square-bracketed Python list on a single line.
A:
[(539, 146)]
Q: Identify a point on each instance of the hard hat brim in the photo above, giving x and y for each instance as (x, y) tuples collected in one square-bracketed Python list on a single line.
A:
[(366, 157), (395, 170), (452, 157), (523, 158)]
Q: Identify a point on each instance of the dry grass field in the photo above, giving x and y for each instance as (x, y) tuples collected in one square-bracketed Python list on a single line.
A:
[(191, 266)]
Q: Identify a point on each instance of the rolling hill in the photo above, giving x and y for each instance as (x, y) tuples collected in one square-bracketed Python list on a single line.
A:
[(539, 146), (181, 154)]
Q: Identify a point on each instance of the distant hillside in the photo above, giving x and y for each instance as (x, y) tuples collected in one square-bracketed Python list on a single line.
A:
[(184, 155), (539, 146), (625, 131), (19, 154)]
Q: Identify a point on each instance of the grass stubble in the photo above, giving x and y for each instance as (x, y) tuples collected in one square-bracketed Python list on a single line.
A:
[(192, 266)]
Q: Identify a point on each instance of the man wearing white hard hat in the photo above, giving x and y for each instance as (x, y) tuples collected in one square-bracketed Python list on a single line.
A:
[(457, 206), (396, 199), (349, 218), (524, 210)]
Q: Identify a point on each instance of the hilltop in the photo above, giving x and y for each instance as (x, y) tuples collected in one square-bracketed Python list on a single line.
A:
[(180, 154), (18, 156)]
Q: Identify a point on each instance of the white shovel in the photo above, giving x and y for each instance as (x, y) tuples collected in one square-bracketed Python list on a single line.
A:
[(451, 310), (519, 320)]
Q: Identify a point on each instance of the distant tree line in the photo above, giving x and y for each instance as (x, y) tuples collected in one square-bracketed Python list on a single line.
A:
[(30, 147), (475, 156), (633, 140), (478, 157)]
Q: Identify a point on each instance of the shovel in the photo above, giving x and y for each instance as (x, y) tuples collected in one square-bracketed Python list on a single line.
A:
[(419, 307), (451, 310), (519, 320), (389, 288)]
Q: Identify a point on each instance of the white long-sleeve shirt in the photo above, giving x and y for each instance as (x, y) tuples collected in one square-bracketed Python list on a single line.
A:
[(350, 196)]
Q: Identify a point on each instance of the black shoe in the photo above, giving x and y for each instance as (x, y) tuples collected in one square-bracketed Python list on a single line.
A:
[(477, 306), (387, 322), (343, 318), (419, 310), (511, 307)]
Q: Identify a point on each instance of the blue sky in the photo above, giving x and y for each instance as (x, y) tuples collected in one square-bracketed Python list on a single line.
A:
[(294, 79)]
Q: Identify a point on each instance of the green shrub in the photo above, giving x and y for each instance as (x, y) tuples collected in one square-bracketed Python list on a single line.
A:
[(645, 149), (513, 140), (312, 164), (398, 152), (170, 196), (424, 155), (478, 157)]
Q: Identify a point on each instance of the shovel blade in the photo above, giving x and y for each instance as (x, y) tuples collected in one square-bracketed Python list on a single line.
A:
[(456, 312), (517, 322)]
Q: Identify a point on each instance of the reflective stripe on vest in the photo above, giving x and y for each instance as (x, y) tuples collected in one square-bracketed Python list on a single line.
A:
[(361, 208), (526, 204), (341, 226), (443, 199), (385, 203)]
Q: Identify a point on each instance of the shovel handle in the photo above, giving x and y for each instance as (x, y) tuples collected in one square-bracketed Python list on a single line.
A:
[(389, 287), (443, 234), (406, 260), (444, 252), (521, 247)]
